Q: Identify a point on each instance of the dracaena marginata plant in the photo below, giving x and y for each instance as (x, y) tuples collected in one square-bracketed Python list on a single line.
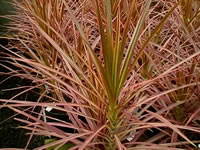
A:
[(186, 74), (84, 60)]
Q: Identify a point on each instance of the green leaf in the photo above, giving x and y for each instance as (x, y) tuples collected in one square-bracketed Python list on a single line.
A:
[(64, 147), (135, 36)]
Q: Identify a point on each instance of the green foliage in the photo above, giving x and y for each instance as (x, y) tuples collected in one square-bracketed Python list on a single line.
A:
[(6, 8), (64, 147)]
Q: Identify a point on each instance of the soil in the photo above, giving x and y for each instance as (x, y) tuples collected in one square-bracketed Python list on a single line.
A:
[(11, 136)]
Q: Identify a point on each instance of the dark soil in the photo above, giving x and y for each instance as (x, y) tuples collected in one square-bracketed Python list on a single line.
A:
[(11, 136)]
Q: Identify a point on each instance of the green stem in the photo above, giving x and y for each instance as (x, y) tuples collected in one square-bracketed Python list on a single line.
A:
[(113, 117)]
